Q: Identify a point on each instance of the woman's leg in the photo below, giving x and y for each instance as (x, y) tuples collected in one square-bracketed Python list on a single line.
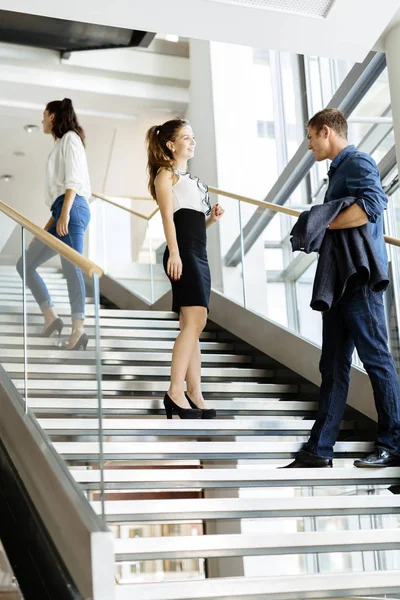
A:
[(192, 324), (36, 254), (193, 377), (79, 220)]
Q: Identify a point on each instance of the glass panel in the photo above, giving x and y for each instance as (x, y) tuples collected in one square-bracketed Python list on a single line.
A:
[(12, 309), (227, 275), (148, 571), (63, 345), (157, 244), (120, 243)]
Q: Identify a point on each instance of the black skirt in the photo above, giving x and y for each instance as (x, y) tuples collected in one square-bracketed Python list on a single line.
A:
[(194, 286)]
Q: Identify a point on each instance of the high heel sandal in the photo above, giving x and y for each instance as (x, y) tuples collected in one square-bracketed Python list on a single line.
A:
[(56, 325), (82, 342), (206, 413), (183, 413)]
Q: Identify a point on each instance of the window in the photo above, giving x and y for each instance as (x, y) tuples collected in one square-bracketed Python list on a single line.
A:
[(266, 129)]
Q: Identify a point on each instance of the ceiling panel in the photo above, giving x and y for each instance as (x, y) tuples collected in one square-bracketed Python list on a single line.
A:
[(310, 8)]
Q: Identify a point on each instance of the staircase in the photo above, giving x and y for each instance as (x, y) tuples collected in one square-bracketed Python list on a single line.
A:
[(198, 508)]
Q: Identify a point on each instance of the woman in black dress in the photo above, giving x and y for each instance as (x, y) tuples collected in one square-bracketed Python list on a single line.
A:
[(186, 212)]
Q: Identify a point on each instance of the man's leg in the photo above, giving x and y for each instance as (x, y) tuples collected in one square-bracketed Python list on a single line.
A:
[(366, 320), (335, 363)]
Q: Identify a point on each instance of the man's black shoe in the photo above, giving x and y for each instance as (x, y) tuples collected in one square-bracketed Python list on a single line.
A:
[(306, 460), (380, 457)]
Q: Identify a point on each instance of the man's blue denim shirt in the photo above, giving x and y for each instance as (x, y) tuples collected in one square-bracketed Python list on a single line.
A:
[(354, 173)]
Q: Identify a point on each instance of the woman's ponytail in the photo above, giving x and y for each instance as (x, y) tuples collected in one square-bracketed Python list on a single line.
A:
[(159, 156), (65, 118)]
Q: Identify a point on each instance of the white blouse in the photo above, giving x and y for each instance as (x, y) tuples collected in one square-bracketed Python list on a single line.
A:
[(67, 169), (189, 192)]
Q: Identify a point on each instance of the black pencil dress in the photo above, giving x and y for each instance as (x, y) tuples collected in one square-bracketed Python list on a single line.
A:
[(194, 286)]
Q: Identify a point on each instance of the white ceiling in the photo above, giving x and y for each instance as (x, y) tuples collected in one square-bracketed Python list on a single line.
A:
[(118, 95), (349, 31)]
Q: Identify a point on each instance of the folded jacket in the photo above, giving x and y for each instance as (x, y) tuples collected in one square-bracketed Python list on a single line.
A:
[(347, 257)]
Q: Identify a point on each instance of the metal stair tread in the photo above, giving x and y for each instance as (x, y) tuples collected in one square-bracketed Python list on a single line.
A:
[(245, 508), (58, 353), (215, 478), (164, 427), (90, 386), (9, 329), (207, 546), (137, 370), (65, 310), (112, 343), (290, 587), (201, 450), (128, 405)]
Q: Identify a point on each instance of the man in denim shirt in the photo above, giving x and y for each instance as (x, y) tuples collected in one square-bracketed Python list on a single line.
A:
[(358, 318)]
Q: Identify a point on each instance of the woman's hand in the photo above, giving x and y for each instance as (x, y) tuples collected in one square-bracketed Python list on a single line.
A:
[(174, 266), (216, 213), (62, 224)]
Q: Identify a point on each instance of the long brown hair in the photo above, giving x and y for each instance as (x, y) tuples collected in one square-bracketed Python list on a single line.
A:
[(159, 156), (65, 118)]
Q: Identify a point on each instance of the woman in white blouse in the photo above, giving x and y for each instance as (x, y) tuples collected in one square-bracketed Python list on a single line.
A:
[(67, 195)]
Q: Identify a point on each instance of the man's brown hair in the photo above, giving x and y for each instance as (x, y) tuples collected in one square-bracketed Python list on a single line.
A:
[(333, 118)]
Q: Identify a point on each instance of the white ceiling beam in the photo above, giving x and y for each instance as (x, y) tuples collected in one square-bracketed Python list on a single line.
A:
[(116, 60), (133, 61), (64, 79)]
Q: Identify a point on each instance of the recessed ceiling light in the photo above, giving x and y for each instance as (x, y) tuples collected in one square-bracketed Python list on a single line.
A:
[(19, 153), (171, 37), (31, 128), (6, 178)]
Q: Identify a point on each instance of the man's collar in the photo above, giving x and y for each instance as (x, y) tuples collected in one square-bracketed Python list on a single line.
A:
[(345, 152)]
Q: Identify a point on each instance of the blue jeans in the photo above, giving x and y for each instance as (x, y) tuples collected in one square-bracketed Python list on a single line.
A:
[(356, 321), (38, 253)]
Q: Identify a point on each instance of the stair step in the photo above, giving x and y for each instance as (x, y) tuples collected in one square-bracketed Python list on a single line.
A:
[(247, 508), (143, 371), (212, 546), (65, 311), (90, 386), (298, 587), (120, 343), (129, 406), (175, 427), (188, 478), (57, 354), (198, 450), (10, 329), (106, 322)]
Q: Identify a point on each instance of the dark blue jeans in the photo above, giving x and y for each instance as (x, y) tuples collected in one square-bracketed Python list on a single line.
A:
[(356, 321), (38, 253)]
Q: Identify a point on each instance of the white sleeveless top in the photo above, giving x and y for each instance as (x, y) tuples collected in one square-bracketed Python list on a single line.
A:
[(189, 192)]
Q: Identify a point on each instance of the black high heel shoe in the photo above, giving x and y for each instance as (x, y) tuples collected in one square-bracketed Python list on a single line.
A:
[(82, 342), (183, 413), (56, 325), (206, 413)]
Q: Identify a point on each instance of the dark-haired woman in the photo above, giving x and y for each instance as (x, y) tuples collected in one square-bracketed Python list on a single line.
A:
[(67, 195), (184, 204)]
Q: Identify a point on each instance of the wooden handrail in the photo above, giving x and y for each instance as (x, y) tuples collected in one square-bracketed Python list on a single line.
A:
[(260, 203), (265, 205), (87, 266), (282, 209), (129, 210)]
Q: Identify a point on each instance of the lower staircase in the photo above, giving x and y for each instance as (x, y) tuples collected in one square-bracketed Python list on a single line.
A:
[(200, 509)]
